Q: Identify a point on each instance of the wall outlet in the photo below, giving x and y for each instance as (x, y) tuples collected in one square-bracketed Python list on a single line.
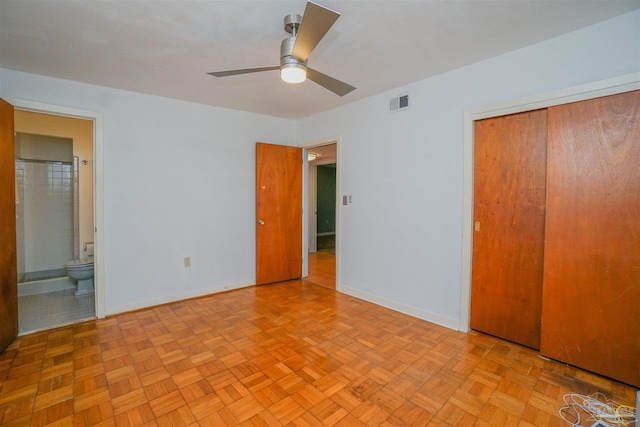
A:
[(187, 262)]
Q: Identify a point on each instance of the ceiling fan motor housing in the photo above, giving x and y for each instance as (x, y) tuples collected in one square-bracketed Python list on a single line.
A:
[(285, 54), (291, 25)]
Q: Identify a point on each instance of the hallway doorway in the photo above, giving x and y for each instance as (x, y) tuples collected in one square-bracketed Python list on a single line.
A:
[(322, 214)]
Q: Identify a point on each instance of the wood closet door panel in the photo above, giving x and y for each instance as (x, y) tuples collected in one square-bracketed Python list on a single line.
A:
[(509, 197), (591, 296)]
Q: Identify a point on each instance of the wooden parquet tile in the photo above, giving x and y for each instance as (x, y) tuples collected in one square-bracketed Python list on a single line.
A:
[(292, 353), (322, 267)]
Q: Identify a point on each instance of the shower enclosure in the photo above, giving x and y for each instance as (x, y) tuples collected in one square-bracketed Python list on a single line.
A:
[(47, 218)]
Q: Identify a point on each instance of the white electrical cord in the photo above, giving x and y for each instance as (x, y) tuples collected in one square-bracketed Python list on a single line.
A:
[(596, 408)]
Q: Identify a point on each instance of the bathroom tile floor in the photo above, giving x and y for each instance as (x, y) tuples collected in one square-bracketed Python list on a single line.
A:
[(50, 309)]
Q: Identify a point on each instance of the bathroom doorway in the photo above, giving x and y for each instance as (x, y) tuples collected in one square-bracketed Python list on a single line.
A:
[(54, 221)]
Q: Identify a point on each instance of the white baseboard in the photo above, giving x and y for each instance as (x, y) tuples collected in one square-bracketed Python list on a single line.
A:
[(438, 319), (110, 311)]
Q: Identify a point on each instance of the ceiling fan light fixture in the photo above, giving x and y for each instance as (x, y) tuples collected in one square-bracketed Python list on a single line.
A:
[(293, 72), (295, 50)]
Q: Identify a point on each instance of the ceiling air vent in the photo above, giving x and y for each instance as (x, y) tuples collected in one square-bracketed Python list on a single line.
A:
[(399, 103)]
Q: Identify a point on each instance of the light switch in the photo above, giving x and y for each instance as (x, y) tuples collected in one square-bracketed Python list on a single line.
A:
[(345, 201)]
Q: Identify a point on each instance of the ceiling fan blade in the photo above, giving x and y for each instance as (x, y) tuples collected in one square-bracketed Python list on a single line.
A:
[(335, 86), (316, 21), (243, 71)]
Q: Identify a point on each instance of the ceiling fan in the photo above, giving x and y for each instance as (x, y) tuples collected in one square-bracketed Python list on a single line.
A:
[(306, 32)]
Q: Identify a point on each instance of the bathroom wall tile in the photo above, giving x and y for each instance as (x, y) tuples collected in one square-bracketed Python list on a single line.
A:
[(48, 215)]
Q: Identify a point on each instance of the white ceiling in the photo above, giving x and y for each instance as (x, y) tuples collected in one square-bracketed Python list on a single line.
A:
[(167, 47)]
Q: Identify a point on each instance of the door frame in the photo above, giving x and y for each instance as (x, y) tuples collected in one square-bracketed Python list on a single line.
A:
[(306, 193), (583, 92), (98, 183), (312, 205)]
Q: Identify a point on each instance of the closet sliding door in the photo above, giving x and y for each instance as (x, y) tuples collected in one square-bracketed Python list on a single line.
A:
[(591, 294), (509, 197)]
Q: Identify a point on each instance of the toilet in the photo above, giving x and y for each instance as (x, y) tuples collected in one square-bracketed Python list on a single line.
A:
[(81, 271)]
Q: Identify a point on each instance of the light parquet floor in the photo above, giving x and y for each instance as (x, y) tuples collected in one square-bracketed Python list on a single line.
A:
[(322, 268), (292, 353)]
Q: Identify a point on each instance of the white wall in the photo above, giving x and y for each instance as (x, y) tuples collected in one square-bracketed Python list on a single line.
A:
[(401, 239), (178, 182)]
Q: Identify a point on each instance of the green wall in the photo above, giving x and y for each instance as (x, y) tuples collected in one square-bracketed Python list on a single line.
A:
[(326, 179)]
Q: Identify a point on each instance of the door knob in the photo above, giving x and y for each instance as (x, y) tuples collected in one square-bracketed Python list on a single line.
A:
[(261, 222)]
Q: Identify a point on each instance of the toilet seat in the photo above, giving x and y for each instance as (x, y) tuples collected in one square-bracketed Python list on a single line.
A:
[(78, 263), (81, 271)]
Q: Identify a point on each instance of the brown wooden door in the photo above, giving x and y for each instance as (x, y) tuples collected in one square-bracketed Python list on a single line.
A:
[(8, 261), (591, 310), (278, 213), (509, 197)]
